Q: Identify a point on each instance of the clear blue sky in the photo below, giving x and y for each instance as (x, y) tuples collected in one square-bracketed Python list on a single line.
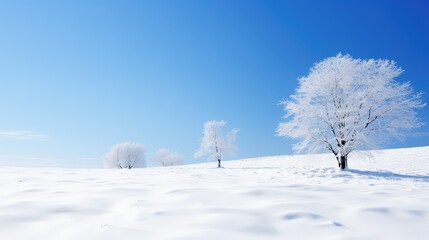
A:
[(84, 75)]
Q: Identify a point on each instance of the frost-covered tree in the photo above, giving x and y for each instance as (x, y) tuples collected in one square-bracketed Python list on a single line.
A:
[(346, 104), (167, 157), (125, 155), (214, 144)]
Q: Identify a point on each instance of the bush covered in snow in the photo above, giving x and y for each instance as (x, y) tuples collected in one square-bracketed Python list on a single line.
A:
[(166, 157), (125, 155)]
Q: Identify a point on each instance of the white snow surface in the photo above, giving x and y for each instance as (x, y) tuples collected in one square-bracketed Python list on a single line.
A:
[(384, 196)]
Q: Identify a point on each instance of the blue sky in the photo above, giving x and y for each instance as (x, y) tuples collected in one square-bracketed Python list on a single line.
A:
[(77, 77)]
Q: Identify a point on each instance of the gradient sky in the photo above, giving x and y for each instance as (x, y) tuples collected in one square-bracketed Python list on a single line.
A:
[(78, 76)]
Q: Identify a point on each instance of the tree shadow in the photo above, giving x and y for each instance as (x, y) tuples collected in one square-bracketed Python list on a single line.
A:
[(390, 175)]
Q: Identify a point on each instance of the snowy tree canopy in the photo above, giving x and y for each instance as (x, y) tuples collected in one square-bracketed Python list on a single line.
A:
[(167, 157), (214, 144), (125, 155), (346, 104)]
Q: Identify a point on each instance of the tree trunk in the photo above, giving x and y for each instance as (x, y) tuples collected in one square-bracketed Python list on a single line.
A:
[(343, 162), (218, 163)]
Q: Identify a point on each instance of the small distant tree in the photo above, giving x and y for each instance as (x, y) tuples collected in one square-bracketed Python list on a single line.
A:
[(214, 144), (125, 155), (167, 157), (346, 104)]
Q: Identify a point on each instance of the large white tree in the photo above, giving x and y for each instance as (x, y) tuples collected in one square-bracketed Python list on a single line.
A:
[(346, 104), (125, 155), (214, 144), (167, 157)]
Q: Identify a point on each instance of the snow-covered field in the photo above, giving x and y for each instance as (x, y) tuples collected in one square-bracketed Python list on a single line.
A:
[(386, 196)]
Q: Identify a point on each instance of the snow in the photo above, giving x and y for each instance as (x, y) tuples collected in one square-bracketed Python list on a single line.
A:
[(384, 196)]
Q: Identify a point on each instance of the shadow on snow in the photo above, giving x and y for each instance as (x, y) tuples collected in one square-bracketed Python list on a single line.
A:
[(389, 175)]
